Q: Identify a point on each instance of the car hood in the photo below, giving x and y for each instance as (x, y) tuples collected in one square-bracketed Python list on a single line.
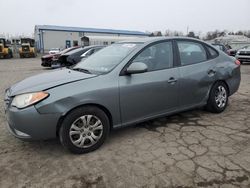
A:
[(48, 56), (45, 81), (244, 50)]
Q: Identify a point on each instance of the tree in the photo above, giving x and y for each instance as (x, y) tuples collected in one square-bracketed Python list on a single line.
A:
[(158, 33), (173, 33), (151, 35), (239, 33), (192, 34)]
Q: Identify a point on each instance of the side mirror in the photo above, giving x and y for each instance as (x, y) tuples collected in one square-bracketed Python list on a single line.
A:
[(137, 67)]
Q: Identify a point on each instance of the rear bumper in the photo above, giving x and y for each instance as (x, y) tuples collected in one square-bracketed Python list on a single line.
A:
[(234, 81), (29, 124)]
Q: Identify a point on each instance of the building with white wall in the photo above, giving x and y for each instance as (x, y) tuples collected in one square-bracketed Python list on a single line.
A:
[(235, 41), (48, 36)]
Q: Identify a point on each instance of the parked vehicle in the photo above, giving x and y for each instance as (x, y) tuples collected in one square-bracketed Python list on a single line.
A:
[(243, 55), (222, 47), (54, 50), (27, 48), (5, 50), (85, 53), (49, 58), (122, 84), (73, 57), (232, 52)]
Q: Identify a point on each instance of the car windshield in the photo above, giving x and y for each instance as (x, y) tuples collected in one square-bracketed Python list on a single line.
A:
[(106, 59)]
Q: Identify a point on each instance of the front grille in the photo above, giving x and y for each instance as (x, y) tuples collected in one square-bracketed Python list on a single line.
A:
[(244, 59), (25, 49), (63, 59), (46, 58), (244, 53)]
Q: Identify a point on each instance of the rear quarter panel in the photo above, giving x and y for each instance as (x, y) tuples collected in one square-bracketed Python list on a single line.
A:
[(229, 72)]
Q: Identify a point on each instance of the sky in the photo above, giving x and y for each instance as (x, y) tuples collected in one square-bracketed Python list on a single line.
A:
[(20, 16)]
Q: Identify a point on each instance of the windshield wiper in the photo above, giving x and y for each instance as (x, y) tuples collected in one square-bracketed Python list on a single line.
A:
[(81, 70)]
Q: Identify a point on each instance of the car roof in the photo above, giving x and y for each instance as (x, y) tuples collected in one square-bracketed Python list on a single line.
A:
[(83, 49), (214, 44), (154, 39)]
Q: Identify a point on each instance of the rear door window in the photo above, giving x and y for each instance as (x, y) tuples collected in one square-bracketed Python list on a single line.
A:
[(191, 52)]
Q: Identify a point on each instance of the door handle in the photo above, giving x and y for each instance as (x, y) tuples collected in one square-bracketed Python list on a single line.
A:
[(172, 80), (211, 72)]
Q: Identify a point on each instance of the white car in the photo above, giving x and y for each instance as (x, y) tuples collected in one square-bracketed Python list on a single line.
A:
[(54, 50), (243, 55)]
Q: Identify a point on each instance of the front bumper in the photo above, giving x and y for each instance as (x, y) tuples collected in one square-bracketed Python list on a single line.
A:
[(29, 124), (27, 54), (2, 55), (243, 58), (46, 63)]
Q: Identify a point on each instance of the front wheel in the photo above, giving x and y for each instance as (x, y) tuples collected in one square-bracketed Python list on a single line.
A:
[(84, 129), (218, 98)]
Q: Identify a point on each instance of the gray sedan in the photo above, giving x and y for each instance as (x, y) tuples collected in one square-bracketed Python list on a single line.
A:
[(123, 84)]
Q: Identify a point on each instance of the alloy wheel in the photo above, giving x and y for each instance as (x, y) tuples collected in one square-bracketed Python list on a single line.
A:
[(221, 96), (86, 131)]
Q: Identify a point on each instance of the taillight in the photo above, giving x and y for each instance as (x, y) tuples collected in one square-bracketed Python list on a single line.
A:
[(237, 62)]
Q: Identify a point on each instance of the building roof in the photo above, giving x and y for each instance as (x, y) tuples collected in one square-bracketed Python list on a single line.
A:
[(89, 30)]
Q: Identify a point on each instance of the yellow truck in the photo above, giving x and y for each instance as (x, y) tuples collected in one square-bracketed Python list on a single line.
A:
[(27, 48), (5, 50)]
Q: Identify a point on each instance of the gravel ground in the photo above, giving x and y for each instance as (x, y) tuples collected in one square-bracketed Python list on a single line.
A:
[(191, 149)]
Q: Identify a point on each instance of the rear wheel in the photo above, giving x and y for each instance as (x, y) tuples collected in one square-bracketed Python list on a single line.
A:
[(84, 129), (218, 98)]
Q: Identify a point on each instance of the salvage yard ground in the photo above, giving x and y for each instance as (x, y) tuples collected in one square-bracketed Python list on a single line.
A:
[(191, 149)]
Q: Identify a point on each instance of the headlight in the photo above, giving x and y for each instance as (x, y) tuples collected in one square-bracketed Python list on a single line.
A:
[(24, 100)]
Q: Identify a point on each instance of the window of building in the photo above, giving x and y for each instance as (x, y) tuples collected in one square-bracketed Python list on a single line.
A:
[(75, 43)]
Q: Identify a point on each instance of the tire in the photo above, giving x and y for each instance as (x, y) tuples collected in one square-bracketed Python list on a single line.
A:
[(218, 98), (81, 132)]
